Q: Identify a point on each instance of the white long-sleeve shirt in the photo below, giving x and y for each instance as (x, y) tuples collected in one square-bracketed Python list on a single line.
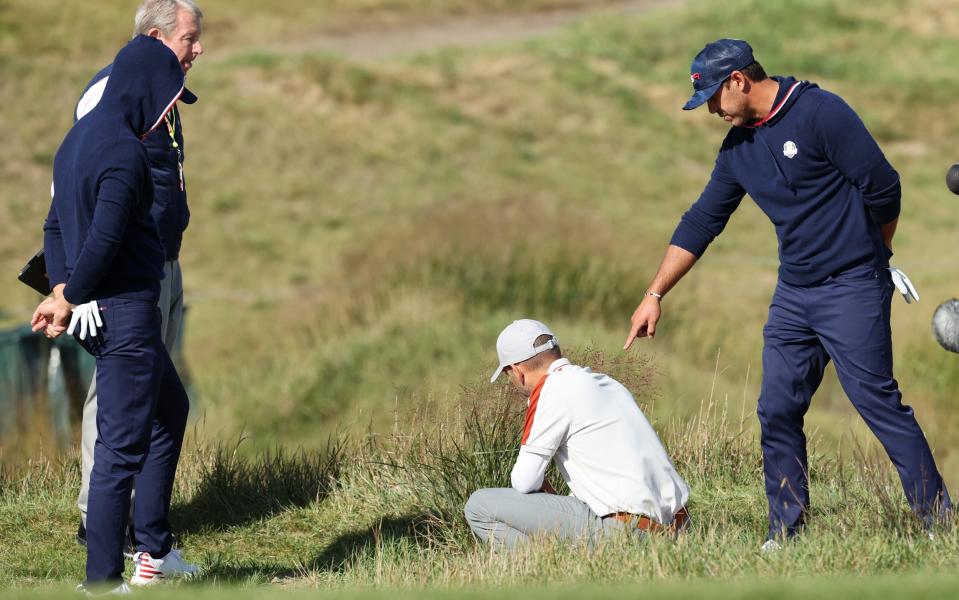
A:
[(604, 447)]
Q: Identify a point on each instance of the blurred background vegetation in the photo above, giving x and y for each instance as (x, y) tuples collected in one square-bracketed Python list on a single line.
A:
[(362, 229)]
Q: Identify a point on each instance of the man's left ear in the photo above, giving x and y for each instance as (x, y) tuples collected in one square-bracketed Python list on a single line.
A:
[(741, 80), (154, 33)]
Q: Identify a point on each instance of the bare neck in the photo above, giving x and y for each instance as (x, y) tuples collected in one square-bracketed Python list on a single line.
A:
[(534, 377), (765, 93)]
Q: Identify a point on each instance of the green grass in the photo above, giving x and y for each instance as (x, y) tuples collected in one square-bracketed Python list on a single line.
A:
[(385, 510), (931, 585)]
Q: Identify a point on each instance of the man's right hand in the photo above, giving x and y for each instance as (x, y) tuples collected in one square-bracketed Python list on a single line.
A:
[(644, 320), (53, 314), (677, 262)]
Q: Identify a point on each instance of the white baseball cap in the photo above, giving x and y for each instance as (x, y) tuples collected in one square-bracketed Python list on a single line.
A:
[(517, 343)]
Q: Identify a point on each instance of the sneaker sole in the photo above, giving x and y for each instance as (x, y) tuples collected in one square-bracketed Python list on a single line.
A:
[(159, 579), (141, 582)]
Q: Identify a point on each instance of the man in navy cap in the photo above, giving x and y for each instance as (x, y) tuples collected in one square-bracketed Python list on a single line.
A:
[(808, 161)]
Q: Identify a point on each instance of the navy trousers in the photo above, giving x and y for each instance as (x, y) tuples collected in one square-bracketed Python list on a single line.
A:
[(141, 419), (845, 319)]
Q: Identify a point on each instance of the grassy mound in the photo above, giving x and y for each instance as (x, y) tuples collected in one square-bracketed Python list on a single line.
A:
[(385, 510)]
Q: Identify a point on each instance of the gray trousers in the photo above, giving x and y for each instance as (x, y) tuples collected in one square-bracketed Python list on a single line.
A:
[(171, 315), (506, 517)]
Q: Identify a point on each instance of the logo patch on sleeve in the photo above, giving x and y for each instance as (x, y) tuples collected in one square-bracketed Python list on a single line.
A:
[(790, 149)]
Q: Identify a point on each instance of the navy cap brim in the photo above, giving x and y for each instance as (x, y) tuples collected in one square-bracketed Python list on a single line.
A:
[(188, 97), (701, 96)]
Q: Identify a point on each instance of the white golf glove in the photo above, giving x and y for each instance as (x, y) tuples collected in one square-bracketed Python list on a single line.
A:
[(904, 285), (88, 317)]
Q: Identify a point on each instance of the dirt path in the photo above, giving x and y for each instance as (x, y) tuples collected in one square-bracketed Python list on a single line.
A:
[(463, 32)]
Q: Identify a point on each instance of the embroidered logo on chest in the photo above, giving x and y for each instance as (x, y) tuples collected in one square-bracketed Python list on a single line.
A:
[(790, 149)]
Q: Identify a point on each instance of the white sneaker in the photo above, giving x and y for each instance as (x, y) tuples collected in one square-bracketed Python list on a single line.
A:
[(149, 571), (123, 588), (768, 547)]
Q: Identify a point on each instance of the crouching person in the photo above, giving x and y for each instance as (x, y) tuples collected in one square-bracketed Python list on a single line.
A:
[(616, 468)]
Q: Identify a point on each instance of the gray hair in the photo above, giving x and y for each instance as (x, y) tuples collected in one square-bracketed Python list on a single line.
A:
[(945, 324), (161, 14)]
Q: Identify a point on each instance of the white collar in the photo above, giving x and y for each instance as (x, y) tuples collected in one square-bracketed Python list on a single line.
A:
[(558, 364)]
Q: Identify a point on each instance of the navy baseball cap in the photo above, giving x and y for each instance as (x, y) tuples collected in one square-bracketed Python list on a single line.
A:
[(713, 65)]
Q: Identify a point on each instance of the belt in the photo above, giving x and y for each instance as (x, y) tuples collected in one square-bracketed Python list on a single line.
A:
[(644, 523)]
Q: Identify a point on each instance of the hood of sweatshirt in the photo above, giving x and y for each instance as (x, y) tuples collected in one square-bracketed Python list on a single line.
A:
[(790, 89), (144, 84)]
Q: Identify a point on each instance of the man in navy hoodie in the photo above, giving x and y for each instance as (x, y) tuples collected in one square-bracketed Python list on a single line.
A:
[(808, 161), (103, 251), (178, 24)]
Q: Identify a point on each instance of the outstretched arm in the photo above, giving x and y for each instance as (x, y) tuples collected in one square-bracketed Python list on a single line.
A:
[(704, 220), (677, 262)]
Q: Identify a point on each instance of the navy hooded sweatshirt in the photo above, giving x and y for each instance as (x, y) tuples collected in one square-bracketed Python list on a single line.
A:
[(819, 176), (99, 237), (170, 209)]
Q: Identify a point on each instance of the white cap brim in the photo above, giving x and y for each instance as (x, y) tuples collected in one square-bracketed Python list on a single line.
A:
[(497, 373)]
